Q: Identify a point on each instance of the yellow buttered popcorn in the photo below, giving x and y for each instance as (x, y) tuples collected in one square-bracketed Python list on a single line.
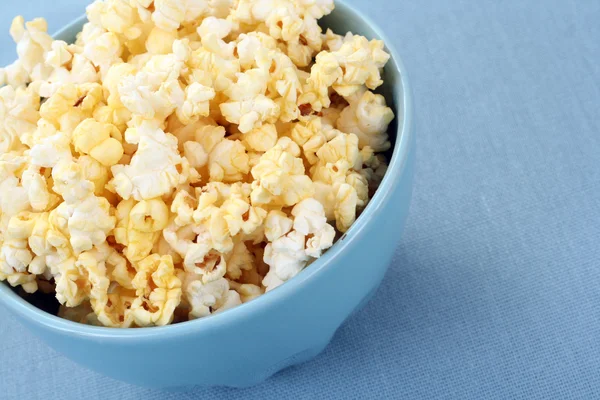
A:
[(209, 298), (280, 178), (97, 140), (158, 291), (155, 169), (183, 157), (368, 117)]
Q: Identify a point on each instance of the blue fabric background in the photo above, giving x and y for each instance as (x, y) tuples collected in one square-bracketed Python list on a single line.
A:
[(495, 289)]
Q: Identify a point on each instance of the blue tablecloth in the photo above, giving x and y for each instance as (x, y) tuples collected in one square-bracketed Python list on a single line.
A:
[(495, 289)]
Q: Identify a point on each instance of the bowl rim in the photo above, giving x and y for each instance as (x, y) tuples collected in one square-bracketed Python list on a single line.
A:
[(396, 166)]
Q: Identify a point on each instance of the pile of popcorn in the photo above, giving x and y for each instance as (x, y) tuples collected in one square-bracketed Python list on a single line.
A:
[(183, 156)]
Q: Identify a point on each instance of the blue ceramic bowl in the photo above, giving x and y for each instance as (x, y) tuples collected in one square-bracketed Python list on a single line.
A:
[(292, 324)]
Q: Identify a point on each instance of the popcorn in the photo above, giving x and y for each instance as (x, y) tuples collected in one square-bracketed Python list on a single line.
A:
[(94, 138), (158, 290), (155, 169), (96, 173), (280, 179), (311, 221), (33, 43), (356, 63), (211, 31), (59, 55), (247, 291), (343, 147), (70, 105), (309, 217), (228, 161), (368, 117), (38, 193), (196, 103), (250, 114), (139, 226), (160, 41), (211, 297), (89, 221), (88, 218), (346, 200), (183, 207), (18, 116), (277, 224), (240, 259), (287, 257), (72, 286), (171, 14), (183, 157), (195, 153), (104, 50), (261, 139)]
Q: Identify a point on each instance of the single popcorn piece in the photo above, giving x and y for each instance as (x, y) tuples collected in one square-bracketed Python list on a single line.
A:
[(155, 169), (154, 91), (97, 139), (195, 153), (72, 285), (104, 50), (139, 226), (209, 298), (311, 221), (247, 291), (228, 161), (196, 103), (343, 147), (309, 217), (261, 139), (70, 105), (280, 178), (286, 257), (59, 55), (183, 157), (212, 30), (169, 15), (158, 290), (277, 224), (96, 173), (33, 43), (160, 41), (240, 259), (183, 207), (89, 221), (368, 117), (39, 195), (19, 113), (249, 114)]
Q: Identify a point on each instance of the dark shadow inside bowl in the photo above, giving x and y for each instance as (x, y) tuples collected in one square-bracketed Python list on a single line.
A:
[(44, 301)]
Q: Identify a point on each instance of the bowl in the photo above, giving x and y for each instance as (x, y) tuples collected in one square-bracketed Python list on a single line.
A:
[(289, 325)]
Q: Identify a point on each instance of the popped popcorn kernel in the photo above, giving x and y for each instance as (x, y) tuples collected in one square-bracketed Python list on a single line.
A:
[(261, 139), (209, 298), (158, 291), (368, 117), (155, 169), (280, 179)]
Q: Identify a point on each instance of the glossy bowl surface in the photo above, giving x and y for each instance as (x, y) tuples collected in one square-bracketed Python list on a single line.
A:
[(292, 324)]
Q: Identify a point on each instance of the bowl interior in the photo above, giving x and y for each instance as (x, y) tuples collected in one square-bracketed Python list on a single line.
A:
[(40, 309)]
